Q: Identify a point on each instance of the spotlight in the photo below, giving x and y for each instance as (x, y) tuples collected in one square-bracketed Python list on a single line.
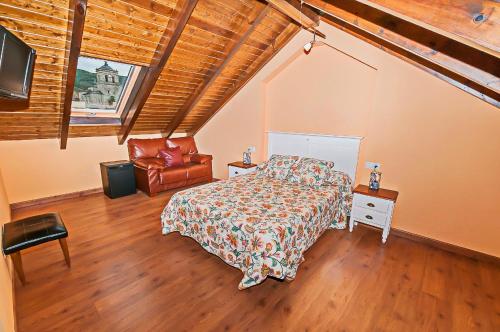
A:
[(308, 47)]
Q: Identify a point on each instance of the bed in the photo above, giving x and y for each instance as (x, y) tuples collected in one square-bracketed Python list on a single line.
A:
[(258, 223)]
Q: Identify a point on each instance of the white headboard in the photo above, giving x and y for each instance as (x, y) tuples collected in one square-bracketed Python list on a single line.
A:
[(343, 150)]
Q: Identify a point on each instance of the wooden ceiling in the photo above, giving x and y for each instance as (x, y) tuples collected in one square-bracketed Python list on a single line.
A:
[(220, 45), (197, 54)]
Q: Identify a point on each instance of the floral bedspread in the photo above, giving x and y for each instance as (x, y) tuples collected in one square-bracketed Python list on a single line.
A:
[(257, 224)]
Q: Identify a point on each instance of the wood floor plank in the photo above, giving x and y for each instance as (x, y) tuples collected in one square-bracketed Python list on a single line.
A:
[(126, 276)]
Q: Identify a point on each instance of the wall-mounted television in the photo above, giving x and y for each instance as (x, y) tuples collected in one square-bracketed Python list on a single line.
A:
[(16, 66)]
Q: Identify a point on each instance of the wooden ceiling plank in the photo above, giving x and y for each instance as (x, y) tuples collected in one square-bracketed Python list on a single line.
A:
[(111, 26), (219, 13), (185, 11), (169, 130), (168, 94), (115, 56), (128, 10), (155, 7), (92, 37), (36, 12), (79, 10), (115, 49), (181, 84), (131, 39), (106, 14), (31, 27)]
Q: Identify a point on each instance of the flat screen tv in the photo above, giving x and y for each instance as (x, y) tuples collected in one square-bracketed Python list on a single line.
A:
[(16, 66)]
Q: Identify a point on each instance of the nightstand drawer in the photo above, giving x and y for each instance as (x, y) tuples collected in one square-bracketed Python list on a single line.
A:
[(235, 171), (369, 216), (371, 203)]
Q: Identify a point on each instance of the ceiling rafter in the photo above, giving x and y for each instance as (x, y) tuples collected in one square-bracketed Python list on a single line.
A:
[(195, 98), (302, 15), (467, 29), (154, 71), (78, 8)]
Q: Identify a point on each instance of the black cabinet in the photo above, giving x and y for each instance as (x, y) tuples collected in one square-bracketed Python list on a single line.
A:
[(118, 178)]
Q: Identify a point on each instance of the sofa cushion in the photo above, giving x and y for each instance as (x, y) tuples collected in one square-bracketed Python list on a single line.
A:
[(173, 174), (200, 158), (187, 144), (150, 163), (197, 170), (172, 156), (145, 148)]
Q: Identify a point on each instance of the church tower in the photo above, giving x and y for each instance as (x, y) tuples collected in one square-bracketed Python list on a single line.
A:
[(108, 82)]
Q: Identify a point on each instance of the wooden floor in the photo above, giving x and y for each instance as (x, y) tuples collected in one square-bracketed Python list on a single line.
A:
[(126, 276)]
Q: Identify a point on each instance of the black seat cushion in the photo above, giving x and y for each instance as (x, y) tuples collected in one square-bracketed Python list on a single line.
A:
[(31, 231)]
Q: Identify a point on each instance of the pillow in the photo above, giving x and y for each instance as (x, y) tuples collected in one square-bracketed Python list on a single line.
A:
[(310, 171), (278, 166), (172, 156), (340, 179)]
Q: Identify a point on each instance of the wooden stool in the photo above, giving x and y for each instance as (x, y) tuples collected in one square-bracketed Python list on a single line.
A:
[(29, 232)]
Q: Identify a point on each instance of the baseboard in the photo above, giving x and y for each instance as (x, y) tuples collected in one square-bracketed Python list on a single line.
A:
[(52, 199), (477, 255), (57, 198)]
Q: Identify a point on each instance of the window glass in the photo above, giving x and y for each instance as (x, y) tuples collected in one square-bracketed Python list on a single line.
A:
[(100, 85)]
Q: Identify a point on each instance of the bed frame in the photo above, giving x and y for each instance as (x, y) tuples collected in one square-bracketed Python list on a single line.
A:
[(343, 150)]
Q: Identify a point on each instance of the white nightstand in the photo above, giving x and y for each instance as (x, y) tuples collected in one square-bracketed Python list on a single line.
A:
[(238, 168), (373, 208)]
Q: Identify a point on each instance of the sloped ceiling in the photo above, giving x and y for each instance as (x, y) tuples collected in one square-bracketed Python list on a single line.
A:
[(199, 53), (130, 32)]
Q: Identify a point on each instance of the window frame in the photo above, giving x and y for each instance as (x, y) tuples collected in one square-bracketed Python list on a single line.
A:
[(88, 116)]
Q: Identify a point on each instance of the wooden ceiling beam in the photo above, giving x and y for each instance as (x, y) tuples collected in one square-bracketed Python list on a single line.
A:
[(471, 22), (205, 86), (469, 69), (78, 8), (185, 11), (217, 106), (299, 13)]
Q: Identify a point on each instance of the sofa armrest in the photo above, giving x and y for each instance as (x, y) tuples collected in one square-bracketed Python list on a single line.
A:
[(150, 163), (201, 158)]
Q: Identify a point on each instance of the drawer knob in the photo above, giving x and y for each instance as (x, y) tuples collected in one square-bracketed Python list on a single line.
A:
[(236, 172), (369, 217), (370, 204)]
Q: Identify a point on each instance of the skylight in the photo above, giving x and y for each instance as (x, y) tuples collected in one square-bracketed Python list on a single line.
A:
[(102, 86)]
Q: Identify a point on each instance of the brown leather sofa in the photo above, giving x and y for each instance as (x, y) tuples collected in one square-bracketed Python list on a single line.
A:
[(151, 174)]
